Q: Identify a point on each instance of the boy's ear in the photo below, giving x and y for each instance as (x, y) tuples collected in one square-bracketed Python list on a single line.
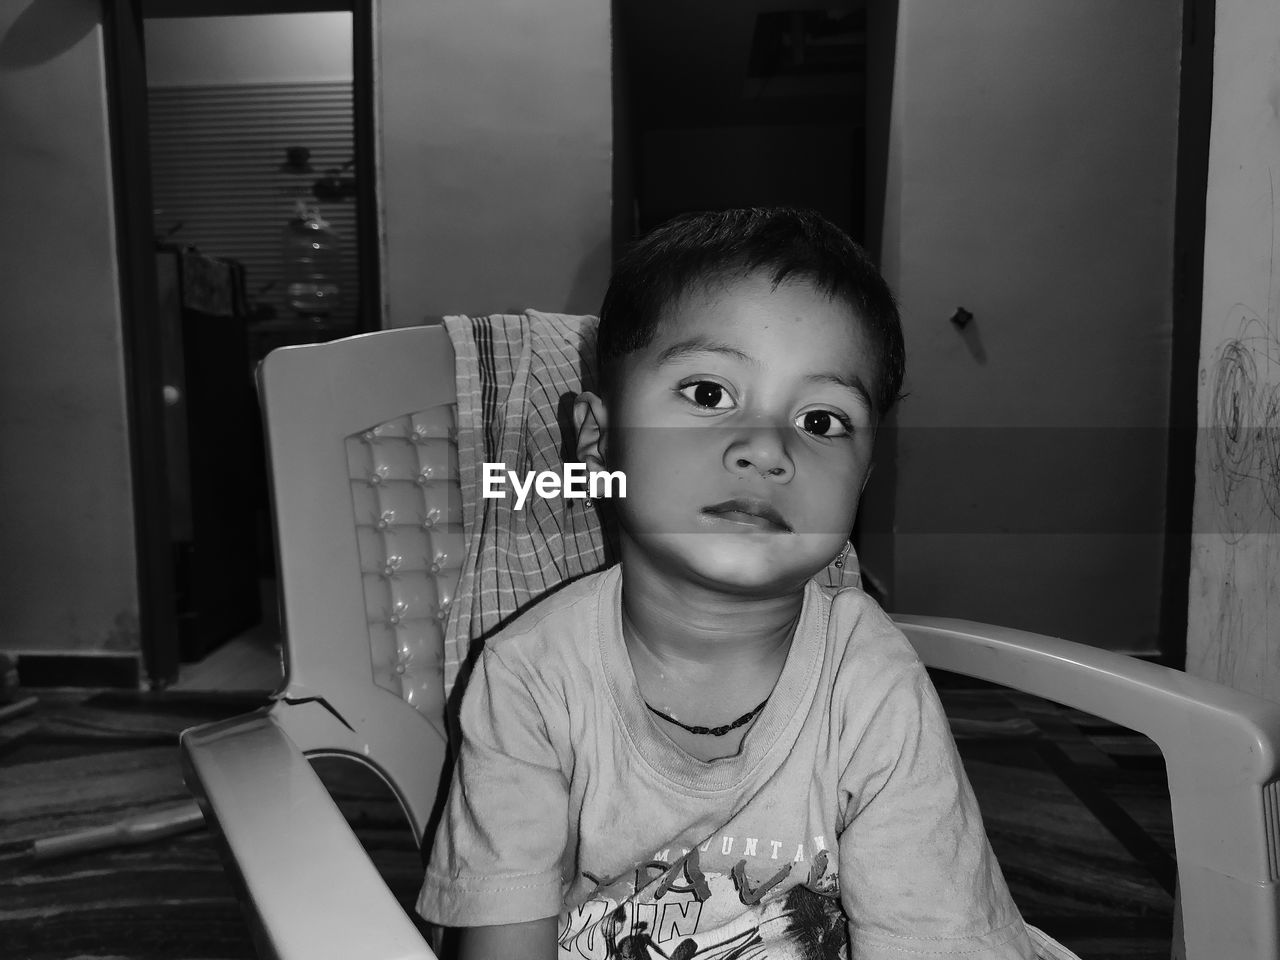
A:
[(590, 422)]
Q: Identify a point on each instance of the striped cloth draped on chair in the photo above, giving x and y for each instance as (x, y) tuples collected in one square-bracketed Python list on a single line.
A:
[(517, 377)]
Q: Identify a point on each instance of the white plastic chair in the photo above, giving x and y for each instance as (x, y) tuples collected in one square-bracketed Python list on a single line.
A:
[(368, 525)]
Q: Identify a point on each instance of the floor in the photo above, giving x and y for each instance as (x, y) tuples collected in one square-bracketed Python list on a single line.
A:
[(250, 661), (1077, 812)]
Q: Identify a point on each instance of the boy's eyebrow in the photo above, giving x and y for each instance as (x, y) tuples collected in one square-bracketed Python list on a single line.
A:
[(851, 383), (685, 348)]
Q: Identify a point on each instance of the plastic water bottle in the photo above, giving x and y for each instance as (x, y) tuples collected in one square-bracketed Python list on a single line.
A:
[(311, 262)]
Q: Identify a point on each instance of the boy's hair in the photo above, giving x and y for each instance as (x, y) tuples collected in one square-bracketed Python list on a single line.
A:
[(697, 249)]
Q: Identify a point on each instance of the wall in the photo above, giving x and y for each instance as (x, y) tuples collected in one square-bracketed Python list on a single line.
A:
[(66, 518), (1030, 179), (263, 48), (1233, 628), (495, 156)]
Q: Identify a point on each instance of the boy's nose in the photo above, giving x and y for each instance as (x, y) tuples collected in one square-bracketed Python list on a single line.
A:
[(760, 449)]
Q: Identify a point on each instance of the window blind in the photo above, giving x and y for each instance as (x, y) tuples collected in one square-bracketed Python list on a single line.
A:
[(217, 182)]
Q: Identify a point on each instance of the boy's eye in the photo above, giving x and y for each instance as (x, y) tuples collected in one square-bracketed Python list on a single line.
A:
[(707, 393), (822, 423)]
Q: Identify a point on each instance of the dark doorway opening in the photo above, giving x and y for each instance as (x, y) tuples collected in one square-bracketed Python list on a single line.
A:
[(763, 103), (738, 104)]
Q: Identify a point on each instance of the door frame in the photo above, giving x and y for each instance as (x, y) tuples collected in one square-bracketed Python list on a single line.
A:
[(126, 84), (131, 178), (1195, 108)]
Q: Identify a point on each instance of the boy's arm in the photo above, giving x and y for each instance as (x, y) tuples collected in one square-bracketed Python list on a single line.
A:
[(496, 856), (531, 940), (917, 875)]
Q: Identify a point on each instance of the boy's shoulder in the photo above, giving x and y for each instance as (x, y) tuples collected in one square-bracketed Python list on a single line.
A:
[(876, 684), (560, 622), (864, 642), (853, 614)]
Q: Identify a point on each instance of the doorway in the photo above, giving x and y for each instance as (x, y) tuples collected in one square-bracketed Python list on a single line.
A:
[(763, 103), (738, 104), (243, 131)]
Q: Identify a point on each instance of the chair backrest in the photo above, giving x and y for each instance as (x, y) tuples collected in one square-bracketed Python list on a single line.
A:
[(362, 450)]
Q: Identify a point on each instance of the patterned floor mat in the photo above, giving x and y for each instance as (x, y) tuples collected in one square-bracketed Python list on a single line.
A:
[(1077, 812)]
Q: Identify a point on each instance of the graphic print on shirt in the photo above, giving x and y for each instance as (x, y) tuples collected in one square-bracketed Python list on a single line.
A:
[(681, 909)]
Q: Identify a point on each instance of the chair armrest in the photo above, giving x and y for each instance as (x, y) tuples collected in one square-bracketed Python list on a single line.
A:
[(313, 889), (1220, 750)]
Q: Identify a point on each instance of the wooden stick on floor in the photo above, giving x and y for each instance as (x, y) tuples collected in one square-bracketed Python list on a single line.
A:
[(124, 833)]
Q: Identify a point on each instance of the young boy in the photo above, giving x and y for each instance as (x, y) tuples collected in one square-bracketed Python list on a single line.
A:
[(701, 752)]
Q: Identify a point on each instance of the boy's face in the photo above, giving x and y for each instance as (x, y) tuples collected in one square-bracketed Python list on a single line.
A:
[(745, 431)]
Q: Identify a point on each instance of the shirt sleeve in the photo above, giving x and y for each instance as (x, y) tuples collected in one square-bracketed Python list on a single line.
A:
[(917, 875), (497, 852)]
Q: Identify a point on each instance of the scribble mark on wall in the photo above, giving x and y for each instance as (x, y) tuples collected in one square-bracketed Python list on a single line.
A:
[(1244, 413)]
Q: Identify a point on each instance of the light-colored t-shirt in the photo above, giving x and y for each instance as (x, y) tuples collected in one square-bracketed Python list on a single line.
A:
[(846, 813)]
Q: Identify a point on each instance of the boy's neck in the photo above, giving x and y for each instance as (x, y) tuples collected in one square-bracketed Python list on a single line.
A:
[(681, 622)]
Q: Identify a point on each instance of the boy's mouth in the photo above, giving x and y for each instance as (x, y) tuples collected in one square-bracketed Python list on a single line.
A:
[(749, 512)]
